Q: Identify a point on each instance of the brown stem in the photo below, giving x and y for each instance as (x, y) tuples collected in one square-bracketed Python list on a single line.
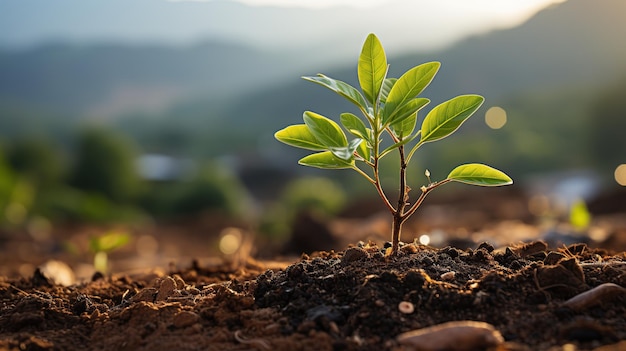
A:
[(395, 233), (403, 199), (380, 190)]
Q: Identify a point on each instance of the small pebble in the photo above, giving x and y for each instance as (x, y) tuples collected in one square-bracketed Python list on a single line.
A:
[(453, 336), (58, 272), (406, 307), (354, 254), (595, 296), (448, 276)]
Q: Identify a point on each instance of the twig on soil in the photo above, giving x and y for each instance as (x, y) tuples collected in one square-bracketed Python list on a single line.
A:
[(18, 289), (602, 264), (594, 296), (260, 343)]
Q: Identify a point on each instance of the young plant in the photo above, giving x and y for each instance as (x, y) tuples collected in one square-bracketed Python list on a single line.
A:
[(389, 107), (101, 245)]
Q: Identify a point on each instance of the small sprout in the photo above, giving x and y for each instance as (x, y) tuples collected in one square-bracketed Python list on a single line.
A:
[(102, 245), (389, 108), (579, 215), (406, 307)]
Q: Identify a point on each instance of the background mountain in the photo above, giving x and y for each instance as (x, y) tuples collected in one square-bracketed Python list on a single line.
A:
[(217, 98), (109, 79)]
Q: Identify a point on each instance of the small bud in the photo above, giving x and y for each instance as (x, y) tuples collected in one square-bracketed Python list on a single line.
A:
[(423, 188), (427, 173)]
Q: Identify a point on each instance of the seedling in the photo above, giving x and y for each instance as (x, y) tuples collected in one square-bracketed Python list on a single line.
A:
[(389, 107), (102, 245)]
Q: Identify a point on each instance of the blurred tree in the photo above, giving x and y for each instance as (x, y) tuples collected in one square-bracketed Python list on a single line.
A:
[(37, 159), (105, 164), (308, 199), (314, 194), (16, 195), (213, 188)]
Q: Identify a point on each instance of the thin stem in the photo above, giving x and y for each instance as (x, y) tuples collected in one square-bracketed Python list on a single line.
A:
[(377, 183), (382, 195), (403, 198)]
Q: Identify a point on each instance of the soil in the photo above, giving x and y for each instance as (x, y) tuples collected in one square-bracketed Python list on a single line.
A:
[(556, 289), (356, 299)]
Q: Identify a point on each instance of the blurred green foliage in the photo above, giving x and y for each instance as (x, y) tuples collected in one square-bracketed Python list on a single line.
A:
[(89, 174), (98, 181), (212, 189), (37, 159), (607, 128), (106, 164), (318, 196), (315, 194)]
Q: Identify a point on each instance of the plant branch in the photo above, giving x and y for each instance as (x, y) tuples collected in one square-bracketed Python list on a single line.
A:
[(377, 183), (425, 191)]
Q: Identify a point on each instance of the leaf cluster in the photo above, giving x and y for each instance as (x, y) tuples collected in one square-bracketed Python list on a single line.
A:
[(389, 108)]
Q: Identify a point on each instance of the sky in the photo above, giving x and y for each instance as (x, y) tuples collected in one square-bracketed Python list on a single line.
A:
[(337, 25)]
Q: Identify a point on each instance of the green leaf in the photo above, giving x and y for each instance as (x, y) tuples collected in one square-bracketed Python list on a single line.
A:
[(364, 151), (579, 215), (408, 86), (372, 68), (448, 116), (479, 174), (405, 127), (354, 125), (387, 85), (325, 160), (108, 242), (347, 152), (344, 89), (300, 136), (325, 130), (406, 111)]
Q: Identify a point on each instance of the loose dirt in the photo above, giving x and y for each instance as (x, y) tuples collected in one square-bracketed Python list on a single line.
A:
[(357, 299)]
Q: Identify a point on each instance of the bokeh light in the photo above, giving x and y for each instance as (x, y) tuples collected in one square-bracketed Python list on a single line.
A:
[(230, 241), (620, 174), (495, 117), (424, 239)]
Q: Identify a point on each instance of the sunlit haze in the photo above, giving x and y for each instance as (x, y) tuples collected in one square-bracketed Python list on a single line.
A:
[(514, 8), (307, 24)]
